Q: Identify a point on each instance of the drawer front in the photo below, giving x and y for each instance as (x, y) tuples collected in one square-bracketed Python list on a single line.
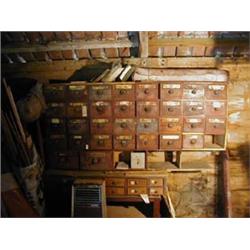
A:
[(193, 91), (77, 110), (137, 190), (94, 160), (215, 125), (147, 142), (147, 109), (171, 108), (77, 92), (55, 126), (216, 108), (78, 126), (100, 92), (56, 143), (63, 160), (54, 93), (193, 141), (124, 109), (170, 125), (147, 91), (124, 126), (101, 109), (137, 182), (155, 191), (101, 142), (78, 142), (194, 124), (56, 110), (193, 108), (147, 125), (171, 91), (116, 182), (102, 126), (124, 142), (124, 92), (216, 91), (155, 182), (115, 191), (170, 142)]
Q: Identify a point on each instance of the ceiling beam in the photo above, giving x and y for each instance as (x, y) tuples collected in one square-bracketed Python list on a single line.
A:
[(66, 45), (177, 41)]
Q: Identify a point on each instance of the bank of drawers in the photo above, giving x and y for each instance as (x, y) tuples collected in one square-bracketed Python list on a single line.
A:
[(134, 116), (116, 187)]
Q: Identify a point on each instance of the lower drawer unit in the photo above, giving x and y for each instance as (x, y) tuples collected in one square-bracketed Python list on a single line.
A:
[(137, 190), (124, 126), (170, 125), (170, 142), (147, 142), (77, 110), (194, 124), (155, 182), (96, 160), (78, 142), (101, 142), (55, 109), (124, 142), (137, 182), (78, 126), (55, 126), (155, 191), (56, 143), (102, 126), (193, 141), (117, 182), (215, 125), (63, 160)]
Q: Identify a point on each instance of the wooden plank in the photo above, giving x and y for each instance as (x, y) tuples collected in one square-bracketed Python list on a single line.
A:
[(143, 44), (68, 45), (177, 41)]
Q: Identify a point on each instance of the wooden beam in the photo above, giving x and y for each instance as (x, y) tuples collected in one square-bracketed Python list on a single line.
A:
[(143, 44), (177, 41), (66, 45), (238, 69)]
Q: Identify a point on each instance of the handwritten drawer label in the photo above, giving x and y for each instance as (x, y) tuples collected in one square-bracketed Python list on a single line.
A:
[(216, 87), (123, 86), (171, 86), (171, 103), (170, 137)]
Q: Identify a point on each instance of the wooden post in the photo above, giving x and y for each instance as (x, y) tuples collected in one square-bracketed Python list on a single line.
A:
[(226, 185)]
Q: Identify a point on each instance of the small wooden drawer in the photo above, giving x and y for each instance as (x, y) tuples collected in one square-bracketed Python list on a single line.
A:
[(124, 142), (146, 125), (55, 109), (137, 182), (124, 109), (101, 142), (116, 182), (115, 191), (124, 92), (137, 190), (54, 93), (55, 126), (193, 141), (193, 91), (78, 126), (170, 142), (147, 142), (216, 108), (171, 91), (63, 160), (171, 108), (56, 143), (193, 108), (155, 191), (155, 182), (147, 109), (170, 125), (78, 142), (77, 110), (77, 92), (216, 91), (100, 92), (102, 126), (101, 109), (215, 125), (194, 124), (147, 91), (96, 160), (124, 126)]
